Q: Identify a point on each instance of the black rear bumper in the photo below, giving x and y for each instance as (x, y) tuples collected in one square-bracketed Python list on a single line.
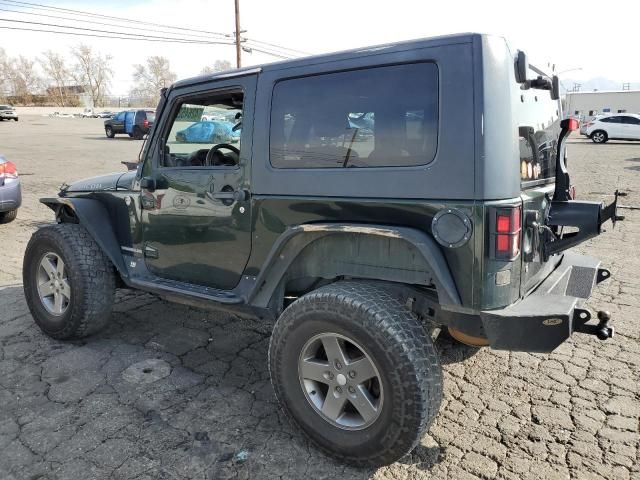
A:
[(551, 313)]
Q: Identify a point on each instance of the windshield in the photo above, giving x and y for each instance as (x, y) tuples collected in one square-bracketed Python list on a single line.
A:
[(538, 119)]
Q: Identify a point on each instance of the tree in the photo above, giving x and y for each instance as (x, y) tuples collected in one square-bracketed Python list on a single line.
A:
[(93, 71), (20, 76), (151, 78), (55, 68), (4, 73), (218, 66)]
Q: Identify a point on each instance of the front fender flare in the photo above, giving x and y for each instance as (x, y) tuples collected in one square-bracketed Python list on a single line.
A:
[(291, 243), (93, 216)]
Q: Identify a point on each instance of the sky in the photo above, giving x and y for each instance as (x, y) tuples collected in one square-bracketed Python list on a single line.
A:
[(583, 39)]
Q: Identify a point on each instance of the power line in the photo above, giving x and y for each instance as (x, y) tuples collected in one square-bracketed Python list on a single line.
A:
[(36, 6), (122, 19), (41, 30), (134, 36), (252, 48), (293, 50), (96, 23)]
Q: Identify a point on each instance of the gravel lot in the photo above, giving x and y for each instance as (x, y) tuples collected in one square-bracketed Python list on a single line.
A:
[(206, 409)]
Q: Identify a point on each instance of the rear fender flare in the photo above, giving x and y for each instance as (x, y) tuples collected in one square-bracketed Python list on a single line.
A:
[(91, 214), (295, 239)]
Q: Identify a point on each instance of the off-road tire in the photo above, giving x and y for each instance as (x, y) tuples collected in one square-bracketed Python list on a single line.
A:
[(10, 216), (108, 131), (400, 348), (599, 136), (137, 133), (91, 278)]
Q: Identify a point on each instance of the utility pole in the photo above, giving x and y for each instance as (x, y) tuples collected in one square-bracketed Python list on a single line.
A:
[(238, 46)]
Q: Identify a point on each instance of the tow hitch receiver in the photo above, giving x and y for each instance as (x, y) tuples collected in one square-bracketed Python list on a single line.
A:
[(602, 330)]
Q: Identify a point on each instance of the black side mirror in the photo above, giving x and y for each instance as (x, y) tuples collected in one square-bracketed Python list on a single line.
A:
[(521, 67), (148, 184), (555, 88)]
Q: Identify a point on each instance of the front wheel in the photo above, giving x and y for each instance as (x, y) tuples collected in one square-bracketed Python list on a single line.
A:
[(69, 283), (10, 216), (109, 132), (599, 136), (356, 371)]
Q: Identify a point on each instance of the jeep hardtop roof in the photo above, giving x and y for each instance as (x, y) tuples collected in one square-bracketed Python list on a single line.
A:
[(457, 38)]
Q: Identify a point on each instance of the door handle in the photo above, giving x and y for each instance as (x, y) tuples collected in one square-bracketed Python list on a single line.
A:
[(241, 195)]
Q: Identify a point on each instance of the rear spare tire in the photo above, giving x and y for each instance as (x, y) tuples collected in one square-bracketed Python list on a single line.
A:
[(356, 371), (69, 283)]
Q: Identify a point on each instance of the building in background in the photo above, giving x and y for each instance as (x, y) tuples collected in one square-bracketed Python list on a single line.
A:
[(587, 104)]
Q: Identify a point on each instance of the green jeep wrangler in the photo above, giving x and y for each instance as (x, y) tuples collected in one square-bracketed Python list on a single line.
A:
[(364, 199)]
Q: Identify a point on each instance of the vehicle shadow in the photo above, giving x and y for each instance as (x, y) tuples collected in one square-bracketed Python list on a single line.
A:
[(633, 167), (202, 406), (117, 138)]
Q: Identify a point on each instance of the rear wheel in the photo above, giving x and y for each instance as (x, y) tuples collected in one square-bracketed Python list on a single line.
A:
[(69, 283), (10, 216), (356, 371), (599, 136), (109, 132), (137, 133)]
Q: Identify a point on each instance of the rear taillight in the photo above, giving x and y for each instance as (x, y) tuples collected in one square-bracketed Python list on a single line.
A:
[(8, 170), (146, 123), (505, 232), (589, 124)]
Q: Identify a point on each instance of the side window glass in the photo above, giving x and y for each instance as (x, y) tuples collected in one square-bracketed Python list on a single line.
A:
[(205, 132), (630, 120), (356, 118), (120, 117)]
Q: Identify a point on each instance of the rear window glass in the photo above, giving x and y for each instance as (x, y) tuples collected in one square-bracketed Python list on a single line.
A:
[(539, 127), (376, 117)]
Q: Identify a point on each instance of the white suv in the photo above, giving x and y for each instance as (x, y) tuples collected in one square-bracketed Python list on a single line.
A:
[(622, 126)]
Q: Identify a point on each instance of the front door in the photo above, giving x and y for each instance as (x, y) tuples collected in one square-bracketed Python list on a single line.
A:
[(196, 204)]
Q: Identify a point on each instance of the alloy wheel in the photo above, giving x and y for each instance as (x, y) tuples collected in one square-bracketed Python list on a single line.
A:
[(54, 289), (341, 381)]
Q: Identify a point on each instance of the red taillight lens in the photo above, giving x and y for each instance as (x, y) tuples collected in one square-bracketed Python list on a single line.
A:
[(506, 233), (8, 170), (146, 123), (573, 124)]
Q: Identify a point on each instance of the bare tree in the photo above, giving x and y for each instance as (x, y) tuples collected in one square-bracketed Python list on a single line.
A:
[(151, 78), (218, 66), (55, 68), (93, 71), (21, 77), (4, 73)]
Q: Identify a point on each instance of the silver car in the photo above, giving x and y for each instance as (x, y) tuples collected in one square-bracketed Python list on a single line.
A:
[(10, 191), (7, 112)]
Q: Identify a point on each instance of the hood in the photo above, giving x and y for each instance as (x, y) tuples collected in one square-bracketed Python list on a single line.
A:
[(110, 182)]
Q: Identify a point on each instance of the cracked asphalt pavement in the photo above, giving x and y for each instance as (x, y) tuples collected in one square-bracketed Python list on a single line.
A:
[(171, 392)]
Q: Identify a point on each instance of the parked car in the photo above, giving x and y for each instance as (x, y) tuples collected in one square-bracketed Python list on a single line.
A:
[(10, 191), (586, 122), (87, 113), (361, 251), (105, 114), (135, 123), (7, 112), (621, 126), (209, 132)]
